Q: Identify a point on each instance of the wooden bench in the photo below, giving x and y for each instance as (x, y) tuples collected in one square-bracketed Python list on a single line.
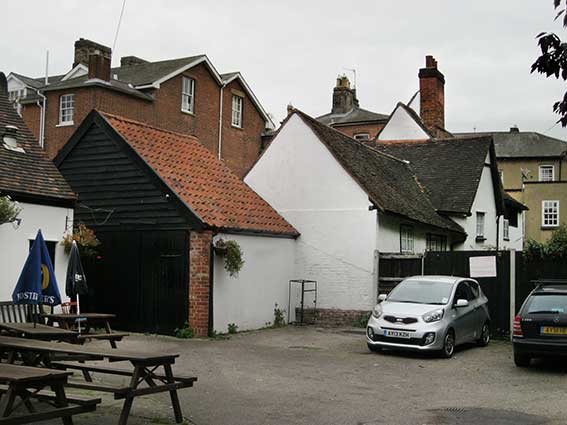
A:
[(27, 383), (146, 369), (20, 313)]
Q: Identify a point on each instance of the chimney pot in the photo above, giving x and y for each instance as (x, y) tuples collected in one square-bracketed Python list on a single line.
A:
[(432, 95), (514, 129), (344, 98)]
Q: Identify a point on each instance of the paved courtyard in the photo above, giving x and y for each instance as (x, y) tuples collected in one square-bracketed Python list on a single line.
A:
[(320, 376)]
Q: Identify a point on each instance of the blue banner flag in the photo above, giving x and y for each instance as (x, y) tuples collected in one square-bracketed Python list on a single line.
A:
[(37, 283)]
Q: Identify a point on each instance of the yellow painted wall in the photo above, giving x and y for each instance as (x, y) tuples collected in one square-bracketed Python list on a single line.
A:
[(532, 197), (512, 170)]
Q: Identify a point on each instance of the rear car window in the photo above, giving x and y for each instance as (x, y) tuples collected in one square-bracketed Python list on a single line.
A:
[(547, 303)]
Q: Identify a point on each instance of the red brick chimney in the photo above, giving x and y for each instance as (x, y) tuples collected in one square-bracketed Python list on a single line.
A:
[(96, 56), (432, 95)]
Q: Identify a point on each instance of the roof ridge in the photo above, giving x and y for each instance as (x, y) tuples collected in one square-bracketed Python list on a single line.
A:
[(132, 121), (161, 61)]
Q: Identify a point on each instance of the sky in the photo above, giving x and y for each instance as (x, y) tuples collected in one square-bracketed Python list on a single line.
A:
[(292, 51)]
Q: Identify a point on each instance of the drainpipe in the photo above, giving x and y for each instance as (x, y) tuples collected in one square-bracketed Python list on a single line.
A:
[(220, 120), (43, 107)]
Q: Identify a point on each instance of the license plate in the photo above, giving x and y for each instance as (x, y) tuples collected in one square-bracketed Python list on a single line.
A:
[(396, 334), (553, 330)]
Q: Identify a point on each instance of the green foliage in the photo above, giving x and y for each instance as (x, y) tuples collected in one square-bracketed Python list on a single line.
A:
[(279, 317), (553, 59), (233, 256), (556, 246), (232, 328), (185, 332), (9, 210), (362, 320), (86, 241)]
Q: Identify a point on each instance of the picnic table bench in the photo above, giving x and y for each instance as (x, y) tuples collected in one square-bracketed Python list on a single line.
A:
[(38, 331), (27, 383), (88, 322), (146, 369)]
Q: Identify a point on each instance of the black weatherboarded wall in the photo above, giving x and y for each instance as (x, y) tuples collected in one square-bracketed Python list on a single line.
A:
[(142, 274)]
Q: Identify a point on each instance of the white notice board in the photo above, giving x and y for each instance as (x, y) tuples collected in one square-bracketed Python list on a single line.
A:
[(482, 266)]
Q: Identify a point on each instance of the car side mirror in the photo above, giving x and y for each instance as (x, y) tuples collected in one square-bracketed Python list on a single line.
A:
[(382, 297), (461, 303)]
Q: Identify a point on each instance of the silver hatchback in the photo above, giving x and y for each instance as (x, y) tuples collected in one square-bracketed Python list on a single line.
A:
[(430, 313)]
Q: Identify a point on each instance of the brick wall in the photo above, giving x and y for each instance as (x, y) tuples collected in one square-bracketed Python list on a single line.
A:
[(371, 129), (199, 285), (330, 317), (241, 147)]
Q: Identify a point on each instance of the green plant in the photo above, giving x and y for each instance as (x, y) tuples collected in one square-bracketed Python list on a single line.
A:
[(556, 246), (361, 320), (9, 210), (184, 332), (232, 328), (86, 239), (233, 256), (279, 317)]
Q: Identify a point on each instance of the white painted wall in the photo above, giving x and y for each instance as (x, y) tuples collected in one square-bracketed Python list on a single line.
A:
[(516, 235), (248, 300), (301, 179), (14, 243), (402, 126), (15, 84), (483, 202)]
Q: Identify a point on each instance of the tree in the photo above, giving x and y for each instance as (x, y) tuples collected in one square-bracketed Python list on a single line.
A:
[(553, 59)]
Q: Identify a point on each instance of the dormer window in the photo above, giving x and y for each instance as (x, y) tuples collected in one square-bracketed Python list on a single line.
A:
[(66, 109), (362, 136), (188, 95)]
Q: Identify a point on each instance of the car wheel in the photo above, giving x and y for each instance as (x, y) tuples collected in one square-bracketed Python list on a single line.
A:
[(448, 345), (484, 335), (374, 348), (521, 359)]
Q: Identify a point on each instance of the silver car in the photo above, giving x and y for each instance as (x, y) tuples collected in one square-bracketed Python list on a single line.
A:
[(430, 313)]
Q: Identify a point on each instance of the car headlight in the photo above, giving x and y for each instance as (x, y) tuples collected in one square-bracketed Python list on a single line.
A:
[(377, 312), (433, 316)]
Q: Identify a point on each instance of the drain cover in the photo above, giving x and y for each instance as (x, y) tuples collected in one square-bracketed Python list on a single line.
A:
[(476, 415)]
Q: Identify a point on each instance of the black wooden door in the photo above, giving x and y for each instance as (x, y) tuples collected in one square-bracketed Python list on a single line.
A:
[(143, 278)]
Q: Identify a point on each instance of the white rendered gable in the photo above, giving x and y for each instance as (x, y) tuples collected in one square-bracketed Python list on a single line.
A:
[(402, 126)]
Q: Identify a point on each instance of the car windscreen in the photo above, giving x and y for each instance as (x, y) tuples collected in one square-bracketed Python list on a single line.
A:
[(547, 304), (421, 292)]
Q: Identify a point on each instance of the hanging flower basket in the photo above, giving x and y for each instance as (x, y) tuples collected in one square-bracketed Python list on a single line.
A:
[(9, 210), (233, 256), (86, 241)]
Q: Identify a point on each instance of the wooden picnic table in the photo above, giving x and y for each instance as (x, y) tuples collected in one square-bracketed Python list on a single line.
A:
[(27, 383), (88, 322), (38, 331), (146, 368)]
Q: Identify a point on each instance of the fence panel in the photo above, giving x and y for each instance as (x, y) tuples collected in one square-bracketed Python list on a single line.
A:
[(496, 289)]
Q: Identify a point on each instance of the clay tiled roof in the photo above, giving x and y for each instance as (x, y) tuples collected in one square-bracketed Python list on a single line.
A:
[(200, 180), (29, 174)]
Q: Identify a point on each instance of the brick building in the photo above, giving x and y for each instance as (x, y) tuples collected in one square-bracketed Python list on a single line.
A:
[(186, 95)]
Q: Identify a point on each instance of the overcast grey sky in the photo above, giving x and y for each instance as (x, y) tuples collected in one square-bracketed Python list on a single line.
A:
[(293, 50)]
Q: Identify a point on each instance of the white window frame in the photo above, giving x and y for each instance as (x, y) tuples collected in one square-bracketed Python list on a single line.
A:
[(552, 219), (188, 95), (407, 239), (362, 136), (66, 109), (237, 110), (480, 223), (506, 229), (546, 167)]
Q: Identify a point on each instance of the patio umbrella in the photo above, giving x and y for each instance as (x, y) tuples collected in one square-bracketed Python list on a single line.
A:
[(37, 284), (76, 281)]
